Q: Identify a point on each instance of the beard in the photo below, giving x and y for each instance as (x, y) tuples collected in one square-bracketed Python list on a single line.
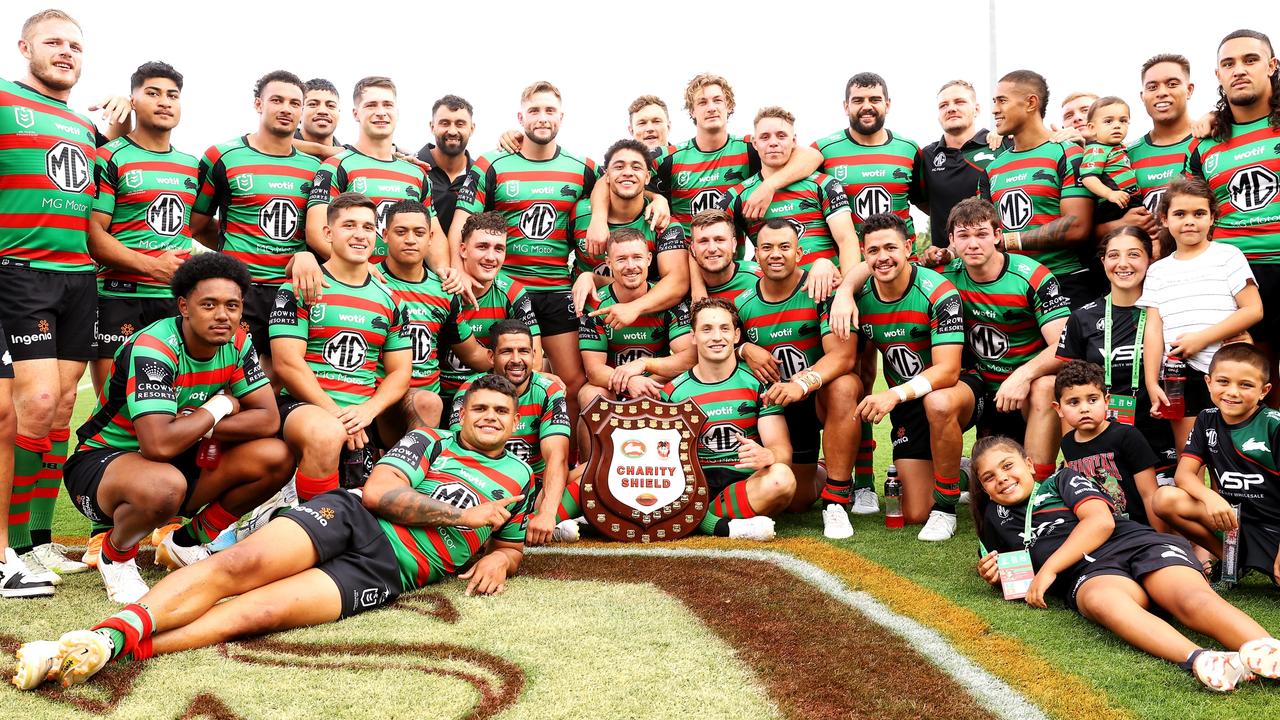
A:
[(856, 124), (45, 74)]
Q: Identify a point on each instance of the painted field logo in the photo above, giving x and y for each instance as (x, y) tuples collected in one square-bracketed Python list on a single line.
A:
[(633, 448)]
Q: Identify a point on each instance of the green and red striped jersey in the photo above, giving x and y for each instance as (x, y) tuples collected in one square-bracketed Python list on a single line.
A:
[(1242, 170), (649, 336), (153, 373), (669, 240), (694, 180), (1002, 318), (505, 299), (260, 201), (733, 407), (906, 330), (1156, 165), (806, 204), (346, 334), (537, 198), (791, 329), (47, 185), (542, 413), (440, 466), (1028, 187), (745, 276), (1110, 163), (148, 196), (425, 308), (385, 182), (886, 178)]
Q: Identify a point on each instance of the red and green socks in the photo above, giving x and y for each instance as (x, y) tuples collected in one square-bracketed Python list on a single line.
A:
[(205, 526), (309, 487), (130, 632), (864, 472), (730, 504), (946, 493), (45, 493), (570, 503), (28, 464)]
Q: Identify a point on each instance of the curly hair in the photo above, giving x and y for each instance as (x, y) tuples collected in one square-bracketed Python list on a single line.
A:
[(1222, 119)]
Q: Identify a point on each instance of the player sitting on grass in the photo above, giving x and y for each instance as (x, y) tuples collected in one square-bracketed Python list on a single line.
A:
[(1110, 569), (334, 556), (1237, 441)]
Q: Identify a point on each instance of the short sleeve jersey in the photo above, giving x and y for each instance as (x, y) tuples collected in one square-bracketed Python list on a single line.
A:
[(649, 336), (791, 329), (693, 179), (1112, 459), (745, 276), (805, 204), (1243, 172), (1155, 165), (385, 182), (346, 334), (505, 299), (1083, 339), (148, 197), (1241, 460), (542, 414), (670, 240), (425, 308), (47, 171), (439, 465), (906, 330), (733, 407), (1002, 318), (260, 201), (1028, 188), (886, 178), (537, 198), (1112, 164), (153, 373)]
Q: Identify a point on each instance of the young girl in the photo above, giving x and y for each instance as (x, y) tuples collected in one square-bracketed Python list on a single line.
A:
[(1111, 569), (1197, 295)]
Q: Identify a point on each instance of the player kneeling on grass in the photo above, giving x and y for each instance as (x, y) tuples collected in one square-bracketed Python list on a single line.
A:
[(1112, 570), (336, 555), (1237, 441), (172, 384)]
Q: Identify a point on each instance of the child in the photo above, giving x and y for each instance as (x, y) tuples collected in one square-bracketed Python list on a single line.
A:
[(1113, 454), (1111, 570), (1237, 441), (1198, 294), (1105, 169)]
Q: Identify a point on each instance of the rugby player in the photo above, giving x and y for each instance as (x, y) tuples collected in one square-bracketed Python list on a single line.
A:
[(319, 113), (649, 123), (712, 248)]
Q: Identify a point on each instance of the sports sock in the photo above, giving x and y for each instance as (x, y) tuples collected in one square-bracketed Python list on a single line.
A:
[(129, 631), (28, 459), (837, 491), (946, 493), (1043, 472), (570, 502), (113, 555), (47, 485), (205, 526), (864, 473), (309, 487), (1190, 662), (731, 504)]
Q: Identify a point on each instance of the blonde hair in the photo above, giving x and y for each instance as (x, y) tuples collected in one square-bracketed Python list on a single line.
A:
[(774, 111), (29, 26), (540, 86), (704, 80)]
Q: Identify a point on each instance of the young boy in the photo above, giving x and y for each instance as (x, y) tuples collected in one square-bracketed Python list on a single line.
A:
[(1105, 168), (1115, 455), (1236, 440)]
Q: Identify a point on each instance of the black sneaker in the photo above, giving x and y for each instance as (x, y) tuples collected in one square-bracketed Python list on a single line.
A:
[(17, 581)]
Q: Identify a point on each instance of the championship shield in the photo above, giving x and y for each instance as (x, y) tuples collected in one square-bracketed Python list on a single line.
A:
[(643, 482)]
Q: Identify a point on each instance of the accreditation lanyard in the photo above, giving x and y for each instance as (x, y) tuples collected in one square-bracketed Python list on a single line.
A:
[(1026, 522), (1016, 571), (1122, 408)]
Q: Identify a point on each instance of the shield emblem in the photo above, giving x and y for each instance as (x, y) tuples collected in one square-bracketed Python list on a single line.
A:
[(842, 172), (133, 179), (683, 177), (24, 117), (244, 182), (359, 185), (513, 187), (316, 312)]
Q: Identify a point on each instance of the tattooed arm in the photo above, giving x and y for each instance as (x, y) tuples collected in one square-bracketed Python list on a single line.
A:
[(1072, 228), (388, 495)]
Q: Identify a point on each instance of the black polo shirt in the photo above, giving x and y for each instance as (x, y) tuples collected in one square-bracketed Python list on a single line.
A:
[(953, 174), (444, 191)]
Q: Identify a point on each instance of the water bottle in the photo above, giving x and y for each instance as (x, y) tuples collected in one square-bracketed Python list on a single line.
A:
[(892, 499), (208, 454), (1173, 378)]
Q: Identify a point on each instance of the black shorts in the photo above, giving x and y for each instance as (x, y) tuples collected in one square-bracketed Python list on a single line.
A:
[(805, 428), (910, 425), (1159, 435), (286, 404), (1081, 288), (49, 314), (719, 478), (83, 471), (1267, 276), (1258, 547), (1136, 556), (6, 359), (991, 421), (353, 550), (555, 312), (120, 317), (256, 318)]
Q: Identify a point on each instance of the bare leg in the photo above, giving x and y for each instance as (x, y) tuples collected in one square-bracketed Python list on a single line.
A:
[(808, 487), (917, 489), (1122, 606), (100, 372), (1187, 516), (587, 395), (8, 428), (1043, 424), (1186, 594), (770, 490), (248, 474), (566, 362), (139, 495), (836, 403)]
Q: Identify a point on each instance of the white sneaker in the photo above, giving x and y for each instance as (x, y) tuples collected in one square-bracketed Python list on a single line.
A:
[(964, 498), (174, 556), (835, 522), (17, 580), (566, 532), (1220, 671), (940, 526), (84, 653), (37, 662), (1262, 657), (37, 570), (759, 528), (123, 582), (258, 518), (865, 502), (53, 556)]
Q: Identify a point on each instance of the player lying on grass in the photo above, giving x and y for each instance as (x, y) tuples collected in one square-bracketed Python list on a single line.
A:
[(1110, 569), (336, 555)]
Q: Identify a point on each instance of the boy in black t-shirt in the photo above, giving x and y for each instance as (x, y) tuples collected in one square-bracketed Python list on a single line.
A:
[(1113, 454)]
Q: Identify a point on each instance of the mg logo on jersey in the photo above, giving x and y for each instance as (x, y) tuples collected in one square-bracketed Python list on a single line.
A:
[(1152, 200), (520, 449), (872, 200), (455, 494), (1252, 188), (383, 207), (165, 214), (1015, 209), (903, 360), (68, 167), (988, 343), (278, 219), (940, 159), (630, 354), (705, 200), (244, 182), (346, 351), (24, 117), (132, 179), (792, 361), (721, 437), (1239, 481), (538, 220), (420, 336)]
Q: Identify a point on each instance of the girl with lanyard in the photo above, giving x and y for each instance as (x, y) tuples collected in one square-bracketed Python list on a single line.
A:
[(1109, 569), (1107, 332)]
